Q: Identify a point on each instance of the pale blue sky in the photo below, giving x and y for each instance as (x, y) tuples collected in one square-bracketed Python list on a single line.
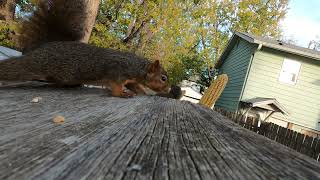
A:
[(302, 22)]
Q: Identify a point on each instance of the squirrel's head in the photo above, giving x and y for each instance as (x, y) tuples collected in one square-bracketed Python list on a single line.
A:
[(157, 78)]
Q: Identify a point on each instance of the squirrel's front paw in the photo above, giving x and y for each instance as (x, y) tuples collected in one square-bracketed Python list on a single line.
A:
[(127, 93)]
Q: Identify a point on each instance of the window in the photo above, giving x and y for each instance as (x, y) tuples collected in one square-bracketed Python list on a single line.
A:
[(289, 71)]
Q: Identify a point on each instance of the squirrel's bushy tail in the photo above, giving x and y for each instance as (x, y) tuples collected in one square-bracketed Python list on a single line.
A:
[(12, 70), (54, 20)]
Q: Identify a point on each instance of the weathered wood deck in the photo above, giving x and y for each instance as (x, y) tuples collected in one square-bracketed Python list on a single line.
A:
[(137, 138)]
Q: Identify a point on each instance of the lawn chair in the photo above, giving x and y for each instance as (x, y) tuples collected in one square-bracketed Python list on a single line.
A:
[(214, 91)]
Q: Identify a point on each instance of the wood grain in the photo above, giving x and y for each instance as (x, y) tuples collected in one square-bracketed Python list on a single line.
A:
[(104, 137)]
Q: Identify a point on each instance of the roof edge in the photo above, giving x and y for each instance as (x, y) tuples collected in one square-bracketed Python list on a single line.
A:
[(265, 44), (226, 51), (288, 50), (228, 47)]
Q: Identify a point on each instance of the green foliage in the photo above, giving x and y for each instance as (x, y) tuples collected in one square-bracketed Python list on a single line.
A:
[(103, 38), (186, 36), (7, 34), (185, 67), (260, 17), (9, 29)]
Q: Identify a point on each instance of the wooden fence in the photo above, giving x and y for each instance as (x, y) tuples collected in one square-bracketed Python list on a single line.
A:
[(304, 144)]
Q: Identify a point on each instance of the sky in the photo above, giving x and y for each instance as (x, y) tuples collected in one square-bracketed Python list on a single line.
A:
[(302, 22)]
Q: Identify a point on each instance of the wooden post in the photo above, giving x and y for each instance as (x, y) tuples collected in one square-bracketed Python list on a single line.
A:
[(290, 125)]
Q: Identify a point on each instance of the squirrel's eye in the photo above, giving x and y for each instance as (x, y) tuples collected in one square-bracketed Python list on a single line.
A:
[(163, 77)]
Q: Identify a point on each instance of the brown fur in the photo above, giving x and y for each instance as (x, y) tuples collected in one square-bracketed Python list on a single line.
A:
[(55, 20), (73, 63)]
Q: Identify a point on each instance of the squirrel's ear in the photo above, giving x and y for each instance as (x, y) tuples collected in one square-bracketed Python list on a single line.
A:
[(156, 63), (155, 66)]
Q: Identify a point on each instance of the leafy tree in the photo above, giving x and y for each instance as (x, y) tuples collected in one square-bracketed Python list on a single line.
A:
[(315, 44), (187, 36), (154, 29), (9, 19), (7, 34), (177, 31), (260, 17), (289, 40)]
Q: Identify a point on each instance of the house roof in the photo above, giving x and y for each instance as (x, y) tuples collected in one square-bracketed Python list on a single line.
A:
[(266, 103), (270, 43), (6, 53)]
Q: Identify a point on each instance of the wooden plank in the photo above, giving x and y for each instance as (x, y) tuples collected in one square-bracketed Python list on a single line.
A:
[(251, 123), (288, 139), (248, 123), (286, 136), (317, 150), (239, 118), (299, 142), (280, 134), (255, 125), (261, 128), (306, 146), (293, 140), (313, 148), (274, 132), (268, 129), (136, 138), (242, 121)]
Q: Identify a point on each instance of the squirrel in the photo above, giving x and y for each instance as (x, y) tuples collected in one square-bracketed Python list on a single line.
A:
[(54, 54)]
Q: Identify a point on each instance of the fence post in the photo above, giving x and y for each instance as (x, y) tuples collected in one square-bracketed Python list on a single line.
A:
[(292, 139)]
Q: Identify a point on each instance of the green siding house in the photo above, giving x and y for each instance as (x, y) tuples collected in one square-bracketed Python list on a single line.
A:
[(265, 68)]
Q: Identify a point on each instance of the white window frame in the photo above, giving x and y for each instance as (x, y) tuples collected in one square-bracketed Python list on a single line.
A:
[(290, 69)]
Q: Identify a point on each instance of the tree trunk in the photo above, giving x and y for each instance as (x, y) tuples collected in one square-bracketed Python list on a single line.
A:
[(90, 8), (7, 9)]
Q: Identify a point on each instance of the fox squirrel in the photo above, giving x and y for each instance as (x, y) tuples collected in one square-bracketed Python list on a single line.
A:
[(57, 56)]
